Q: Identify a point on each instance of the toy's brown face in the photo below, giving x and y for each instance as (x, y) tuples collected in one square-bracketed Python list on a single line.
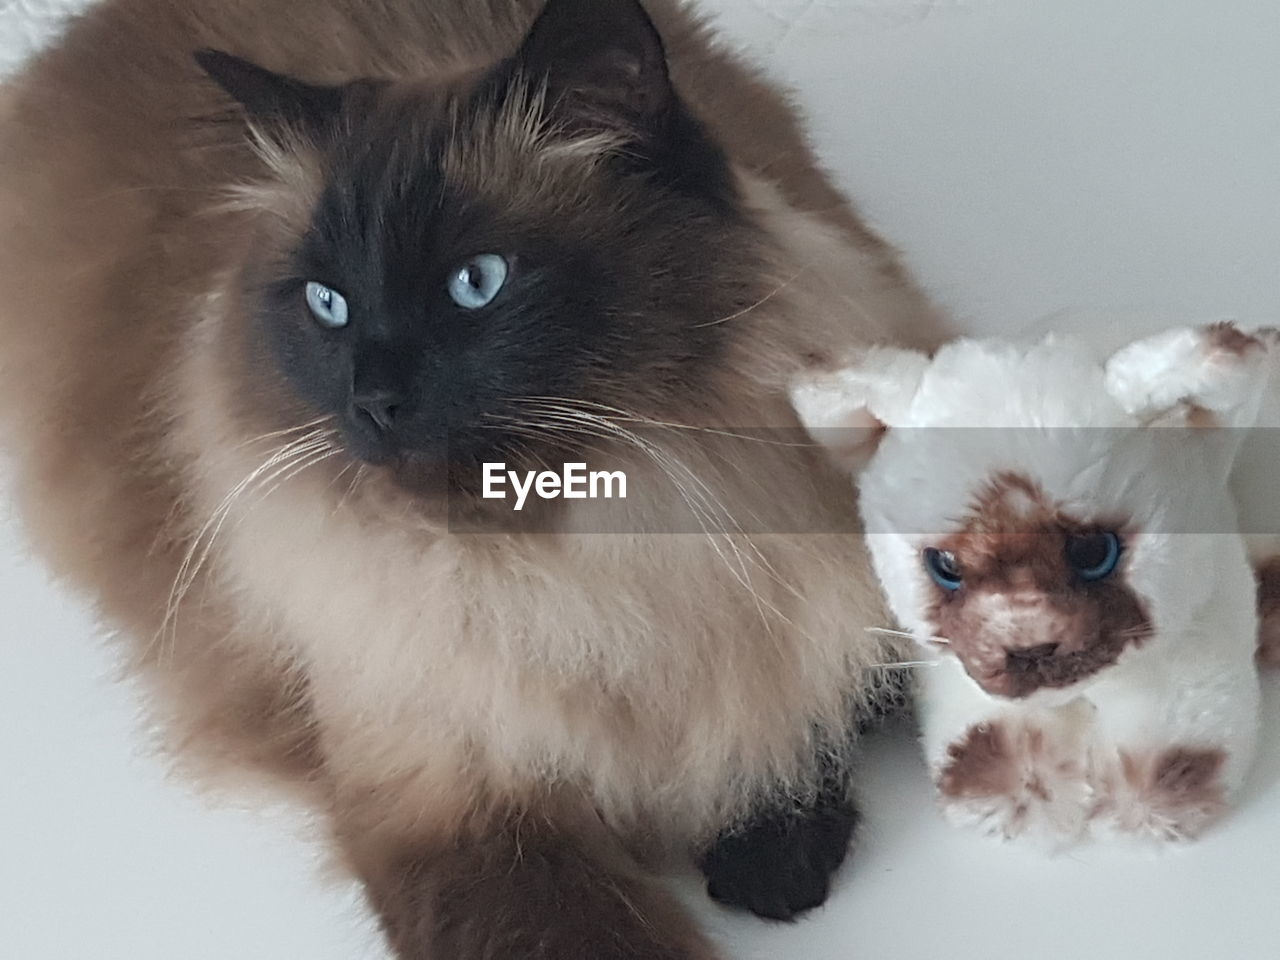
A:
[(1028, 598)]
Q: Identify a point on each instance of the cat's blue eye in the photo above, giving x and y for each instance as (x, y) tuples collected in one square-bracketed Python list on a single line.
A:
[(327, 305), (1094, 556), (943, 568), (478, 281)]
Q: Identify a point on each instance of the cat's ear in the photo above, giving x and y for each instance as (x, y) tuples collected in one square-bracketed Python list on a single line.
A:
[(849, 410), (271, 97), (603, 61)]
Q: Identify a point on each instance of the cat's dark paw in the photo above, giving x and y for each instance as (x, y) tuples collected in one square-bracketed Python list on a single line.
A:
[(780, 864)]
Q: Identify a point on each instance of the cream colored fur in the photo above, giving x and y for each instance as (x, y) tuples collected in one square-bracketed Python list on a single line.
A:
[(325, 632)]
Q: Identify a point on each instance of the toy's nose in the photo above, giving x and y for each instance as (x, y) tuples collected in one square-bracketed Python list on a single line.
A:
[(1029, 659)]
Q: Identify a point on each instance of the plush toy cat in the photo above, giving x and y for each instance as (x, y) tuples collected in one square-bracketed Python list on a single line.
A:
[(1066, 540)]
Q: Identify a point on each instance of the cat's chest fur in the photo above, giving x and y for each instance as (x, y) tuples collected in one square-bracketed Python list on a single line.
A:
[(577, 658), (568, 657), (590, 659)]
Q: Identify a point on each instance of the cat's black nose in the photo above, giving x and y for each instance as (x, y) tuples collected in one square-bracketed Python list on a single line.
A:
[(377, 408)]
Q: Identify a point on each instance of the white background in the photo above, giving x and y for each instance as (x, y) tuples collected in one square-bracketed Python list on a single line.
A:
[(1040, 162)]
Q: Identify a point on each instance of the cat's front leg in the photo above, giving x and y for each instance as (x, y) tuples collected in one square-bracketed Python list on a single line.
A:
[(534, 884), (1002, 768), (778, 863)]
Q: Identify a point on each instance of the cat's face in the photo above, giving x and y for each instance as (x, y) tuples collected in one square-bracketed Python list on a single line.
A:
[(480, 266)]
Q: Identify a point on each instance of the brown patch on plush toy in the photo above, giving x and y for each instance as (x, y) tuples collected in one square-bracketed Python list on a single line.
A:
[(1229, 338), (1269, 613), (1013, 553), (1174, 795), (1011, 775), (979, 765)]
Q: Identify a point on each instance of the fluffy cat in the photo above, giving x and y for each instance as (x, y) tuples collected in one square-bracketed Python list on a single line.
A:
[(281, 275)]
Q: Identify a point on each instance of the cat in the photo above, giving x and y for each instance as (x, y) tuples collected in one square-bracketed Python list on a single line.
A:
[(282, 275)]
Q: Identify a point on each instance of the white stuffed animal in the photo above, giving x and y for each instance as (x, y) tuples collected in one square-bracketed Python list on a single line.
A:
[(1063, 538)]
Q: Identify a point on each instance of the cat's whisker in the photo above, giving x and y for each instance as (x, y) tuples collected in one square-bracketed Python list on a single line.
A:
[(306, 453), (885, 631), (698, 502), (699, 499), (287, 431), (759, 303), (904, 664), (202, 544), (612, 423), (616, 416), (283, 453), (1137, 633), (622, 416), (352, 487), (311, 460), (538, 431), (340, 474)]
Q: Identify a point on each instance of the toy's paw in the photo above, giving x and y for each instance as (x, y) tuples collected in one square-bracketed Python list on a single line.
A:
[(780, 865), (1169, 795), (1213, 369), (1013, 780)]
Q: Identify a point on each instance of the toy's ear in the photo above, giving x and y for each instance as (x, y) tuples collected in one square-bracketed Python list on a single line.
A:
[(850, 409), (1212, 376)]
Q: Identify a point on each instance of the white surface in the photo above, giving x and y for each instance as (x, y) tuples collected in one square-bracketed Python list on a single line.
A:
[(1038, 161)]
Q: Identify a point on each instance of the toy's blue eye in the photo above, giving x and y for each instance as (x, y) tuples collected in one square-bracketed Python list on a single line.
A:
[(478, 281), (1094, 556), (328, 306), (944, 569)]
